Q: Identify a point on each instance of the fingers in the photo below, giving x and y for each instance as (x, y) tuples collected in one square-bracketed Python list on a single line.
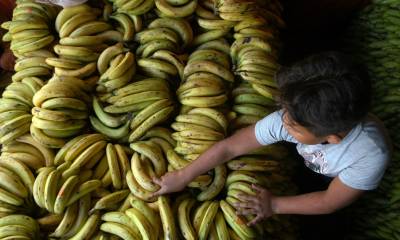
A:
[(247, 198), (157, 180), (247, 211), (254, 221), (243, 205)]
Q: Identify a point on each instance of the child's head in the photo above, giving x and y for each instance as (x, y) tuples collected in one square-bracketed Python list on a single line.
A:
[(323, 96)]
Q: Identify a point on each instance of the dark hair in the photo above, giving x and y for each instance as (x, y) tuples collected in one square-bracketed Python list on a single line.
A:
[(326, 93)]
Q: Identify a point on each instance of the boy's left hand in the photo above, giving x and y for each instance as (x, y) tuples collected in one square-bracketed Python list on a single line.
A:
[(258, 204)]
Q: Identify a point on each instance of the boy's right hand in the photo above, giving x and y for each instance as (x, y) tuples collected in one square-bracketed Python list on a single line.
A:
[(170, 182)]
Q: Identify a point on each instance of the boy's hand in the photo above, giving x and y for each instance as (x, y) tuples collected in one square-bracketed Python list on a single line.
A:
[(259, 205), (170, 182)]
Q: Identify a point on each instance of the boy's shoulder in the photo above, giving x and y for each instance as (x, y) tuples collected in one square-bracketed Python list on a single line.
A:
[(371, 138)]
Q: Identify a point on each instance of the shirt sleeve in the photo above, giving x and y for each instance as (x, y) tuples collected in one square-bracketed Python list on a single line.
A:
[(366, 173), (270, 130)]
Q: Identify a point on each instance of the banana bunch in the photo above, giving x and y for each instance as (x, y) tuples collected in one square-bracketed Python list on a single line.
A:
[(27, 150), (82, 37), (249, 106), (211, 26), (133, 8), (150, 101), (114, 127), (16, 104), (235, 10), (205, 75), (176, 8), (60, 111), (147, 162), (16, 186), (126, 25), (28, 30), (164, 34), (162, 64), (18, 226), (116, 66), (138, 221)]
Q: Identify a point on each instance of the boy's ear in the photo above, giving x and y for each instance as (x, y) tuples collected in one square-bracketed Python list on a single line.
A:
[(333, 139)]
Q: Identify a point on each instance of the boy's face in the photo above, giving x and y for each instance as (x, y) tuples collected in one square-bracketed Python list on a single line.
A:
[(300, 133)]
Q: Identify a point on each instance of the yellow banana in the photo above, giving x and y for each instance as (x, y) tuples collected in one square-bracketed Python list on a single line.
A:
[(150, 122), (64, 194), (218, 44), (24, 63), (10, 182), (119, 230), (31, 72), (82, 72), (185, 224), (90, 28), (87, 154), (209, 36), (20, 169), (74, 21), (252, 109), (158, 64), (252, 164), (89, 228), (83, 54), (81, 218), (51, 189), (208, 66), (208, 220), (141, 9), (83, 190), (141, 222), (140, 174), (235, 222), (216, 186), (212, 24), (110, 200), (160, 33), (123, 219), (160, 132), (176, 11), (66, 223), (199, 214), (180, 26), (126, 24), (67, 13), (211, 55), (250, 23), (204, 102), (149, 111), (221, 227), (113, 165), (136, 189), (167, 219), (201, 182)]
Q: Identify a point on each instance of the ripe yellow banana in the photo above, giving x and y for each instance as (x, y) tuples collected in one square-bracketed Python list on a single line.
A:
[(150, 122), (119, 230), (21, 170), (218, 44), (176, 11), (126, 23), (66, 223), (252, 164), (216, 186), (110, 200), (136, 189), (185, 224), (235, 222), (180, 26), (167, 219), (74, 21), (208, 66), (89, 228), (90, 28), (141, 222), (64, 194), (123, 219), (211, 55)]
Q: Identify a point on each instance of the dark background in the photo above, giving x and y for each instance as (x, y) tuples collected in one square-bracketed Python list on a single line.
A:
[(314, 26)]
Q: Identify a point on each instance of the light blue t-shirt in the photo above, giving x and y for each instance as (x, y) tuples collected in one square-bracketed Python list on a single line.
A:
[(359, 160)]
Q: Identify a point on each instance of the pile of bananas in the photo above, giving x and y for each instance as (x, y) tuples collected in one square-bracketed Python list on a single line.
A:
[(373, 38), (30, 37), (118, 68)]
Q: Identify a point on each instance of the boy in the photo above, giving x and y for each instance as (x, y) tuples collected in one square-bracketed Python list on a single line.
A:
[(325, 101)]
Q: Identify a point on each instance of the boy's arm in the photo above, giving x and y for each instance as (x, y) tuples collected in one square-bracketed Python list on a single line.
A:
[(337, 196), (238, 144)]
